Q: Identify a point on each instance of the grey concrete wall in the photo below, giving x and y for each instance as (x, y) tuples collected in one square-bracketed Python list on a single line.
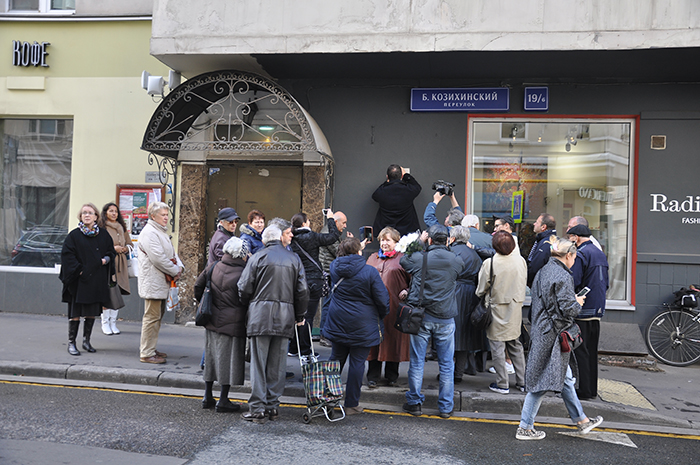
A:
[(219, 27), (40, 293)]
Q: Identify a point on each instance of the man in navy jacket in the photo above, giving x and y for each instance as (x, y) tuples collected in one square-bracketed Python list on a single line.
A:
[(590, 270), (541, 250)]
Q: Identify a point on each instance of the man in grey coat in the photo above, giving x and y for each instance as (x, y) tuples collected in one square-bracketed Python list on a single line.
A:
[(273, 285)]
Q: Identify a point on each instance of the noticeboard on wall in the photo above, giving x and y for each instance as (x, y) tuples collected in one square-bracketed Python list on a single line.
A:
[(133, 201)]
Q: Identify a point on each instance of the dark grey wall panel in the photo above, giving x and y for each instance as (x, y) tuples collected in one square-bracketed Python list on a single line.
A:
[(369, 126), (41, 294)]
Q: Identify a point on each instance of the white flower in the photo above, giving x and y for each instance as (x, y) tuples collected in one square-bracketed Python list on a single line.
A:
[(406, 240)]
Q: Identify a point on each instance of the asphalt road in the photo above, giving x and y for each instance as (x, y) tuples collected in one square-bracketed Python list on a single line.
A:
[(69, 423)]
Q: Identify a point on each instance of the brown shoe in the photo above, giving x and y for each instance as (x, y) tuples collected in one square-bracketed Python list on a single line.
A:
[(153, 359), (161, 354), (353, 410)]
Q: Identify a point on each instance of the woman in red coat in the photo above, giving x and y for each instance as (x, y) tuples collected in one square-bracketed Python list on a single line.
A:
[(396, 345)]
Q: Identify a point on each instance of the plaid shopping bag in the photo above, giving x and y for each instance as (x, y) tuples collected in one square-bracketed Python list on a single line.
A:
[(322, 382)]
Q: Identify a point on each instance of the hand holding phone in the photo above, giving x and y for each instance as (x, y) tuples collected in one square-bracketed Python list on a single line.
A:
[(583, 292), (367, 232)]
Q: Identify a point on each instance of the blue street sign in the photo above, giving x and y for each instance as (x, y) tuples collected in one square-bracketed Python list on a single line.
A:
[(537, 98), (482, 99)]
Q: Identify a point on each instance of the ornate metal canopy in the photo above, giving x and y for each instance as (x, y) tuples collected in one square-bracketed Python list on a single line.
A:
[(228, 111)]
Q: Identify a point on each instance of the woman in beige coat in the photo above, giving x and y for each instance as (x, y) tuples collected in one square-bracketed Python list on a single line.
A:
[(507, 296), (112, 221)]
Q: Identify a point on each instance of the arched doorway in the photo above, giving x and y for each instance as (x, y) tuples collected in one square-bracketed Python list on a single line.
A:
[(237, 139)]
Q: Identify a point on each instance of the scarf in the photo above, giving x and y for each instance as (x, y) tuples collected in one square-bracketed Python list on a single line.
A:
[(87, 231), (389, 254)]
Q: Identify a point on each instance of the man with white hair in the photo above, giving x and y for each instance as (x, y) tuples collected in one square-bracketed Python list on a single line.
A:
[(476, 237), (273, 285)]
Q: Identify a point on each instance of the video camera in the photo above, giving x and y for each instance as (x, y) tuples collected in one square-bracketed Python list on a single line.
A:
[(443, 187)]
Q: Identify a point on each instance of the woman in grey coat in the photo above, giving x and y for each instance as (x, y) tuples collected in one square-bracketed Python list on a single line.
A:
[(554, 306)]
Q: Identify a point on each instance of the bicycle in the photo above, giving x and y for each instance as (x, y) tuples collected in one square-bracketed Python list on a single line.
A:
[(673, 336)]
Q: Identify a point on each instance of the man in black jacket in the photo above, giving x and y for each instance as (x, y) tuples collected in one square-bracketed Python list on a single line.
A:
[(395, 197), (541, 250), (273, 285), (440, 305)]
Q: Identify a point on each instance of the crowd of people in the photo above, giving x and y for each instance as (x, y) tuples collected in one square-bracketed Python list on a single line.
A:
[(275, 277)]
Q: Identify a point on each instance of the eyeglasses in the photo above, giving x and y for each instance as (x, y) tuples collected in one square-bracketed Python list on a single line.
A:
[(89, 213)]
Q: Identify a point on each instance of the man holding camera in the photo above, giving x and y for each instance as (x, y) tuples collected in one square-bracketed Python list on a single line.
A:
[(454, 214), (395, 198)]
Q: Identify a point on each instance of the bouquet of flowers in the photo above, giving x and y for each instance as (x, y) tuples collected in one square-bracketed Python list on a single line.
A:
[(409, 243)]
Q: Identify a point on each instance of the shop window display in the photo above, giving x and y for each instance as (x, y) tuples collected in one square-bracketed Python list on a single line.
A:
[(578, 167), (36, 170)]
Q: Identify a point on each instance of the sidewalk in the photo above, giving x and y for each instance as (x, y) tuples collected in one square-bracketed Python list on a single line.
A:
[(35, 346)]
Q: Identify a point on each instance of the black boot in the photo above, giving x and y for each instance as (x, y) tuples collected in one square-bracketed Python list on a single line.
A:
[(87, 332), (208, 401), (72, 334)]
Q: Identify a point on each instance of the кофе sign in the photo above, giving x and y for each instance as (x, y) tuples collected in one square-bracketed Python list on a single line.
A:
[(26, 54)]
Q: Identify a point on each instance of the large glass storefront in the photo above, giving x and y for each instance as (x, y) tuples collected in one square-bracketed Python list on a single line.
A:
[(35, 190), (566, 167)]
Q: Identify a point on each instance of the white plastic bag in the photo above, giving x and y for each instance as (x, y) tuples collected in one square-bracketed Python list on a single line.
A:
[(173, 301), (133, 262)]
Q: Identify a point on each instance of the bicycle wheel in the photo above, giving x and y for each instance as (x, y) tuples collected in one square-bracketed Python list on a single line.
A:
[(673, 337)]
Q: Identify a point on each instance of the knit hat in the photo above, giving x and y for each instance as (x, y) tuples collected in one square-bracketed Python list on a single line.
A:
[(236, 247), (580, 230)]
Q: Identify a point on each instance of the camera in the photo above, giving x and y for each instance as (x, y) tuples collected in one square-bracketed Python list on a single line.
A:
[(443, 187)]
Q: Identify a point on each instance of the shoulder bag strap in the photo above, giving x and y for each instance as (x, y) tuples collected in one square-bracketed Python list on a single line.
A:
[(491, 277), (336, 285), (422, 277), (309, 256), (211, 270)]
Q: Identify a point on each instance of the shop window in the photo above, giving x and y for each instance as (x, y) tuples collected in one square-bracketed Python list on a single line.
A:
[(42, 6), (577, 167), (34, 190)]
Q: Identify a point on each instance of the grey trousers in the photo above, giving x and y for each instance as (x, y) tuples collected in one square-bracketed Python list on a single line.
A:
[(517, 356), (268, 366)]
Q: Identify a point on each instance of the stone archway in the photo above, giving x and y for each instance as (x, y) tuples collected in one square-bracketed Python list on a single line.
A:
[(229, 116)]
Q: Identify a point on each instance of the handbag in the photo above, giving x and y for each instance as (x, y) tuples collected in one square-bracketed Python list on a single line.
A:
[(204, 314), (481, 316), (326, 277), (570, 338), (408, 318), (173, 301), (132, 262)]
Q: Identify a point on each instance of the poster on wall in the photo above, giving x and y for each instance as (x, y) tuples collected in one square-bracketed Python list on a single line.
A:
[(133, 201), (517, 206)]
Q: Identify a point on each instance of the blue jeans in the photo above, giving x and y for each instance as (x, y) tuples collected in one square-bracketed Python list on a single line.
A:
[(533, 400), (443, 338)]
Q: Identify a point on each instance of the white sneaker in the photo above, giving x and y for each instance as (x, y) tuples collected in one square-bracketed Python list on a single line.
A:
[(492, 370), (586, 427), (529, 434)]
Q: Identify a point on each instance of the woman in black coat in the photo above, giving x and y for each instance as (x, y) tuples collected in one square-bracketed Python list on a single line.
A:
[(87, 271), (306, 243), (468, 340), (226, 331), (359, 303)]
